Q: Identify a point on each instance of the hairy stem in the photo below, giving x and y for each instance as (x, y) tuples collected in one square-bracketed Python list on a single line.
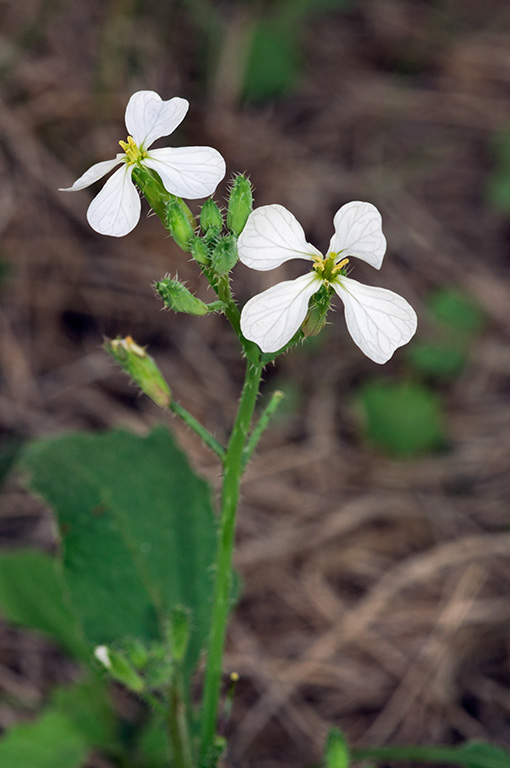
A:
[(233, 464)]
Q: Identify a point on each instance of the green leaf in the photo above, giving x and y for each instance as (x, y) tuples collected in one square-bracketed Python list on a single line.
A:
[(441, 360), (478, 754), (337, 750), (32, 594), (472, 754), (138, 532), (48, 742), (498, 190), (457, 310), (87, 706), (9, 449), (152, 748), (401, 418), (498, 182), (273, 63)]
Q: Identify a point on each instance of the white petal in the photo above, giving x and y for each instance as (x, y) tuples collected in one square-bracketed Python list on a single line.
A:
[(94, 173), (116, 209), (271, 318), (190, 172), (148, 117), (358, 232), (378, 320), (271, 236)]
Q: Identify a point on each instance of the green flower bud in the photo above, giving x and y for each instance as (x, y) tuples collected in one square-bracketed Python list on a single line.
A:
[(177, 297), (179, 632), (179, 224), (200, 252), (210, 217), (119, 668), (240, 204), (224, 256), (141, 367), (315, 319)]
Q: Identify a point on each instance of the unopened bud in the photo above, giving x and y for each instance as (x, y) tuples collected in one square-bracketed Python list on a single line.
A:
[(141, 367), (119, 668), (179, 224), (314, 321), (224, 256), (210, 217), (240, 204), (200, 252), (177, 297)]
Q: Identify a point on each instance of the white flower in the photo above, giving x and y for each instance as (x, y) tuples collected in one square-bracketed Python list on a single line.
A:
[(191, 172), (378, 320)]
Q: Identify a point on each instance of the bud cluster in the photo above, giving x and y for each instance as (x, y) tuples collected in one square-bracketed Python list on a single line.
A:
[(209, 246)]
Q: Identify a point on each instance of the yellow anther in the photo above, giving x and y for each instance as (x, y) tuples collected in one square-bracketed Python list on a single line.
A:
[(133, 153), (339, 267)]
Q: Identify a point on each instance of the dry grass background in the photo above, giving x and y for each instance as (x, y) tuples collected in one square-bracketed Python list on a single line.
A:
[(375, 590)]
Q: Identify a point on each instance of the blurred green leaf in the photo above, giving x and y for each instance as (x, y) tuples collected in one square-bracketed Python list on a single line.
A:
[(337, 750), (10, 447), (498, 182), (457, 309), (32, 594), (478, 754), (49, 742), (152, 748), (441, 360), (138, 530), (498, 190), (402, 419), (273, 63), (472, 754), (87, 706)]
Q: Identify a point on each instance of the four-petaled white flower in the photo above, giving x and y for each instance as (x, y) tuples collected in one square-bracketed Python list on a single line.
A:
[(191, 172), (378, 320)]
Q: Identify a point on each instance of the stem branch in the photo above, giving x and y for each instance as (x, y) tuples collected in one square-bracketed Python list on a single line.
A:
[(197, 427), (262, 423)]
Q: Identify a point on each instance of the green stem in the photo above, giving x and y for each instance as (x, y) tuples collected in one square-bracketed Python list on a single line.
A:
[(233, 464), (262, 423), (452, 755), (178, 729), (197, 427)]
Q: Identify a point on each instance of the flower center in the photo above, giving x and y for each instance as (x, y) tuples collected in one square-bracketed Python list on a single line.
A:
[(327, 268), (134, 153)]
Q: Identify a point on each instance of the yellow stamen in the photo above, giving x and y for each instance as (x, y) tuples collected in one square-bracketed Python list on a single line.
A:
[(339, 267), (133, 153)]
